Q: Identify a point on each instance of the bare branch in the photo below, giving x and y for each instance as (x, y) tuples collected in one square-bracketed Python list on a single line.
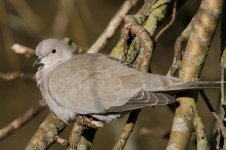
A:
[(21, 121), (143, 43), (75, 135), (199, 130), (20, 49), (60, 140), (113, 25), (16, 75), (147, 44), (126, 131), (193, 60), (89, 122), (165, 28), (81, 123), (155, 132), (215, 115), (178, 50), (47, 131)]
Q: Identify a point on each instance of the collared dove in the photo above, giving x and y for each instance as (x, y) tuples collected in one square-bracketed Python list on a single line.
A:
[(98, 85)]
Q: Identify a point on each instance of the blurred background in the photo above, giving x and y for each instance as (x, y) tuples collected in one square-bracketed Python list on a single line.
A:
[(29, 21)]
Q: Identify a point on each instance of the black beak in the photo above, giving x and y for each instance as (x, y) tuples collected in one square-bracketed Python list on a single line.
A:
[(37, 63)]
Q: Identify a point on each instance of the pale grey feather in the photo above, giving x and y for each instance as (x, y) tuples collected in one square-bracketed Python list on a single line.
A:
[(98, 85)]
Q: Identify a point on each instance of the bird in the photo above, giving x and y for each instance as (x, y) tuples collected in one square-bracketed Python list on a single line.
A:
[(98, 85)]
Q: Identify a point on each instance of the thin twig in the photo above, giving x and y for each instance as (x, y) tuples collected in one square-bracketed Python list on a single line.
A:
[(126, 131), (178, 49), (165, 28), (16, 75), (155, 132), (215, 115), (199, 130), (21, 49), (21, 121), (113, 25), (60, 140), (89, 122)]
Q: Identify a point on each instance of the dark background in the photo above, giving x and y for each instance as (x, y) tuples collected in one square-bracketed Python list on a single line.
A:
[(83, 21)]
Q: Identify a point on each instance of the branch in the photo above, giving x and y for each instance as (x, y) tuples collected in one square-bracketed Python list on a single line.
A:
[(16, 75), (82, 122), (203, 29), (87, 138), (126, 131), (21, 121), (215, 115), (150, 16), (75, 136), (155, 132), (179, 49), (20, 49), (147, 44), (143, 43), (113, 25), (46, 133), (199, 130), (165, 28)]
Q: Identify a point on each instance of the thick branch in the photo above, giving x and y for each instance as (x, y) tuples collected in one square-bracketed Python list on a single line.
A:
[(194, 57), (75, 135), (46, 133)]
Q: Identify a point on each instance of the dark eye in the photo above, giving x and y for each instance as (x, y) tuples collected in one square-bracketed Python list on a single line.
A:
[(54, 51)]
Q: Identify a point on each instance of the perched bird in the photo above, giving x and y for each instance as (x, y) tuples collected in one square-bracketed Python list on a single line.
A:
[(98, 85)]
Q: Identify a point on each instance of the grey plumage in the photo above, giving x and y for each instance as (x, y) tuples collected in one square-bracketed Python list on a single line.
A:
[(98, 85)]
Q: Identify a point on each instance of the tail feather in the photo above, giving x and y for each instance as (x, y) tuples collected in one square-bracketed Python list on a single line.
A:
[(149, 99), (156, 89), (158, 83), (194, 85)]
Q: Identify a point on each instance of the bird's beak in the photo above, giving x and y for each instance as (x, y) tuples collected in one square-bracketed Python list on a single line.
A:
[(37, 63)]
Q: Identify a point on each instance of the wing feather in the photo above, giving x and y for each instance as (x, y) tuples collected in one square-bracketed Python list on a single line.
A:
[(95, 85)]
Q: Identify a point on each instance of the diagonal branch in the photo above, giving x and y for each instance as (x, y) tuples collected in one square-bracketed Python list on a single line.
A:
[(16, 75), (113, 25), (127, 130), (21, 121), (46, 133)]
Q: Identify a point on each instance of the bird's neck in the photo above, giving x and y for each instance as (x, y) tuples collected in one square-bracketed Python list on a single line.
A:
[(43, 73)]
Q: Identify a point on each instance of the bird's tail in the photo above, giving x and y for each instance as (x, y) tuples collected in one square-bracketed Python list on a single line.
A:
[(195, 85), (157, 83)]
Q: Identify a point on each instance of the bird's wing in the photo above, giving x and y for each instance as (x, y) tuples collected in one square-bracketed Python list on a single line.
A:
[(94, 83)]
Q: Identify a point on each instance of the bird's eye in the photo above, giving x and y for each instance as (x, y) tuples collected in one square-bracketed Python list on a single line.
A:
[(53, 51)]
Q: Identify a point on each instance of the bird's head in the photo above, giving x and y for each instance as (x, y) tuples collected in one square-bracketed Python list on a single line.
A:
[(51, 52)]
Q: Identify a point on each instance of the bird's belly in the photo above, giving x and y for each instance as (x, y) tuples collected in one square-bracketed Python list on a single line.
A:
[(107, 117)]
